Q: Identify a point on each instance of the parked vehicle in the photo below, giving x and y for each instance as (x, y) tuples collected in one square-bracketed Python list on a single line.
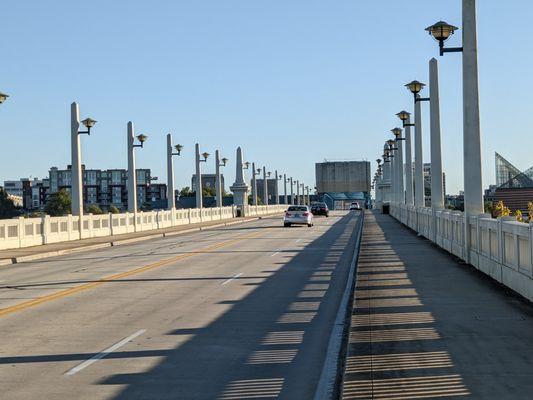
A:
[(355, 206), (298, 215), (320, 208)]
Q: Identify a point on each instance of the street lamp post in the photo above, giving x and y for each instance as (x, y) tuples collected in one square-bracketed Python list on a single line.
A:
[(75, 147), (254, 183), (199, 196), (415, 87), (441, 31), (292, 191), (265, 187), (302, 202), (397, 132), (218, 180), (405, 117), (132, 174), (297, 193), (171, 203), (437, 197), (307, 194), (285, 189), (276, 187)]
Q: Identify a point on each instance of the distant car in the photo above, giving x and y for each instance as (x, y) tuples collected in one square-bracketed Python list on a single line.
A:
[(298, 215), (320, 208), (355, 206)]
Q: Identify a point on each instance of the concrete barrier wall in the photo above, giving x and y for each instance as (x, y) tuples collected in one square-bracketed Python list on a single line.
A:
[(501, 248), (25, 232)]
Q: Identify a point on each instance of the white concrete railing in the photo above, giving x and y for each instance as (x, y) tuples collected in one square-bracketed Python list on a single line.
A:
[(501, 248), (25, 232)]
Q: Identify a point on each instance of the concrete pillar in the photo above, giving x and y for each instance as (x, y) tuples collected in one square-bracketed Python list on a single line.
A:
[(419, 167), (409, 199), (437, 197), (285, 189), (171, 203), (239, 188), (401, 189), (265, 187), (198, 179), (292, 192), (132, 176), (218, 182), (77, 179), (276, 197), (471, 130), (393, 198), (254, 184)]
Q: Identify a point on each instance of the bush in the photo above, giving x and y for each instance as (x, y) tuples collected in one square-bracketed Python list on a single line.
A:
[(94, 209), (114, 210)]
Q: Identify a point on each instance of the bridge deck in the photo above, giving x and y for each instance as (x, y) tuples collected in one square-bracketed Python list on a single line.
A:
[(427, 326)]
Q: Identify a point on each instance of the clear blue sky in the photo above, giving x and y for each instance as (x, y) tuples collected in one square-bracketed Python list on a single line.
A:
[(291, 81)]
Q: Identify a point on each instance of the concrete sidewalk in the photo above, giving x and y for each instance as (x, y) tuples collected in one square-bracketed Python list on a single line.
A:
[(13, 256), (425, 326)]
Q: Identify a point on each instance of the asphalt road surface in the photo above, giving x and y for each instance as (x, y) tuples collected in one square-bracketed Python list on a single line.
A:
[(239, 312)]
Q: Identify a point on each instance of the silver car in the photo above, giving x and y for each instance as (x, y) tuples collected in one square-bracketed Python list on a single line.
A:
[(298, 215)]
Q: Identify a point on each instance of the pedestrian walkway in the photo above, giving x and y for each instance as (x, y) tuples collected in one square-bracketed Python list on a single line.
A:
[(13, 256), (425, 326)]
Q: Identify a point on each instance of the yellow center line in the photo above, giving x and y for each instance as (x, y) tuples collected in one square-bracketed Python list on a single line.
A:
[(67, 292)]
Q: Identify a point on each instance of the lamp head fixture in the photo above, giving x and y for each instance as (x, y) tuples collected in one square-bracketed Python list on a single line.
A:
[(3, 97), (441, 31), (415, 87)]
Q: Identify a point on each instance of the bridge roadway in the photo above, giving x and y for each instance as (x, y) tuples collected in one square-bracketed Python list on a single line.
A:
[(231, 313)]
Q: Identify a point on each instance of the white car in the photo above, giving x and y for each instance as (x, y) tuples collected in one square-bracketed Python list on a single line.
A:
[(298, 215), (355, 206)]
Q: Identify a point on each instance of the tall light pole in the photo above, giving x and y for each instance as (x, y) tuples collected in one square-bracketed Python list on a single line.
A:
[(302, 201), (255, 173), (276, 187), (397, 132), (171, 203), (75, 147), (308, 197), (285, 189), (441, 31), (199, 160), (292, 190), (437, 197), (132, 173), (297, 193), (265, 187), (405, 117), (218, 181), (415, 87)]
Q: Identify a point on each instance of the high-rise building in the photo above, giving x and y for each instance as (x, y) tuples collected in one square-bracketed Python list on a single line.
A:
[(107, 188)]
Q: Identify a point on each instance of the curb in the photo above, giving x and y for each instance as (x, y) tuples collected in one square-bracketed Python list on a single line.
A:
[(333, 369)]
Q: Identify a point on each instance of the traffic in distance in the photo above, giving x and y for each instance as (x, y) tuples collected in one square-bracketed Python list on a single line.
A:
[(303, 215)]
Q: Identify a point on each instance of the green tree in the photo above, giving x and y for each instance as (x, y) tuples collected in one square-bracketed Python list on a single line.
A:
[(187, 192), (94, 209), (501, 210), (146, 206), (58, 204), (208, 192), (7, 207), (114, 210)]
